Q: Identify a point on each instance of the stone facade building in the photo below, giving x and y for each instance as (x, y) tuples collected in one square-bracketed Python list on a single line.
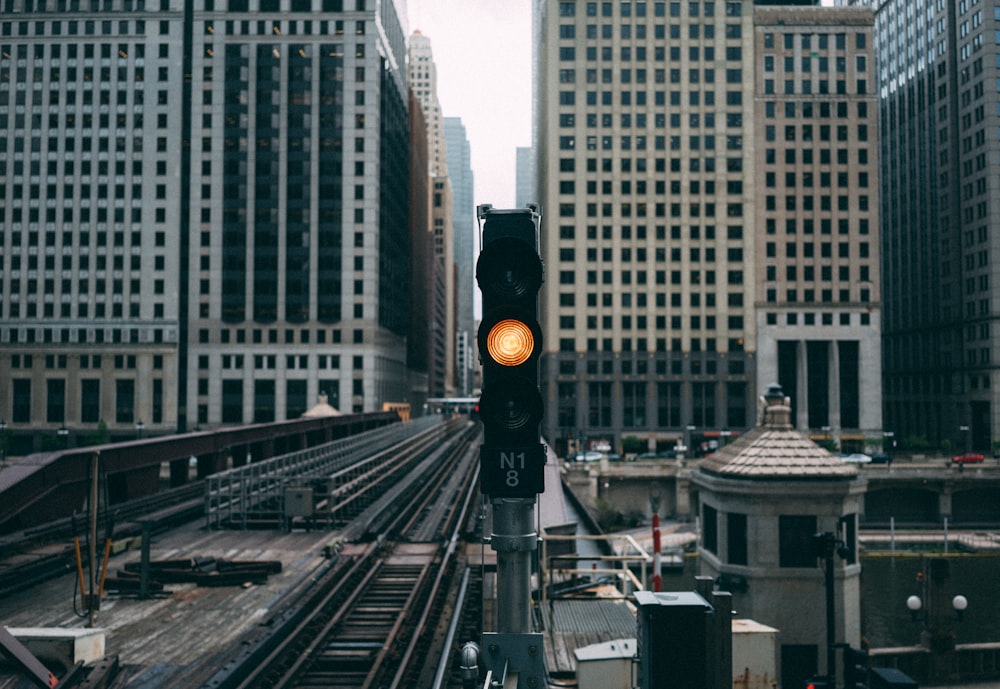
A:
[(761, 500)]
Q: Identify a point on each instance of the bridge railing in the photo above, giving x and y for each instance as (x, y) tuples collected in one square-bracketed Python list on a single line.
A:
[(232, 495)]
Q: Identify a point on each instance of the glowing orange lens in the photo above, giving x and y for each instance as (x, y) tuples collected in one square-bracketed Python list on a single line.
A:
[(510, 343)]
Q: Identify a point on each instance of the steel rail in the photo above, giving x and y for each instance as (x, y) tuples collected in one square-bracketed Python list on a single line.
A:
[(290, 659)]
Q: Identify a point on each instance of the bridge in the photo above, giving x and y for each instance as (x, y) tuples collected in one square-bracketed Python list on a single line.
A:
[(318, 556), (49, 485), (919, 492)]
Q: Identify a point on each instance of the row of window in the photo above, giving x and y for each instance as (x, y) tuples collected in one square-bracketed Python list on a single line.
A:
[(625, 98), (89, 404), (822, 132), (825, 318), (626, 8), (607, 404), (808, 296), (626, 32), (85, 361), (808, 203), (808, 249), (263, 397), (822, 86), (292, 362), (695, 277), (84, 5), (641, 54), (641, 253), (805, 64), (641, 210), (614, 366), (795, 536), (291, 28), (625, 321), (81, 287), (640, 344), (90, 27), (625, 232), (89, 335), (81, 310)]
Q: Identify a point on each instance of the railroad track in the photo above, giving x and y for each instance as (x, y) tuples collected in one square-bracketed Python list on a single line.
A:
[(40, 553), (369, 621), (371, 617)]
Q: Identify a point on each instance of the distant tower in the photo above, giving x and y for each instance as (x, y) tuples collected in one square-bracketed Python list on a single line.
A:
[(525, 191), (762, 498), (708, 172), (817, 253), (423, 82), (465, 230)]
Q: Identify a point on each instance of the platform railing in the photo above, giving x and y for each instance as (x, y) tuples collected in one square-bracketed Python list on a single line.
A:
[(619, 568), (231, 495)]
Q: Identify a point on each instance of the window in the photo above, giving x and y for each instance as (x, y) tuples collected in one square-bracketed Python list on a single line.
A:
[(710, 529), (90, 400), (736, 535), (56, 400), (795, 534), (124, 401)]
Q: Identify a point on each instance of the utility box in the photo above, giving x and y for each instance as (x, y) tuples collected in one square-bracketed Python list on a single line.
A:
[(755, 655), (674, 640), (606, 665), (890, 678), (298, 502)]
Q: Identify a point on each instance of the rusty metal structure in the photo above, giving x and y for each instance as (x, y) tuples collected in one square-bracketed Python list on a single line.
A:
[(50, 485)]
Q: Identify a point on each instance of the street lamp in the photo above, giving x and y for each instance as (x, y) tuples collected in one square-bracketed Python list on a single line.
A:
[(64, 432), (139, 425), (959, 604), (930, 606)]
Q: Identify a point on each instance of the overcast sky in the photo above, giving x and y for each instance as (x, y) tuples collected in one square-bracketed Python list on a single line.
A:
[(482, 49)]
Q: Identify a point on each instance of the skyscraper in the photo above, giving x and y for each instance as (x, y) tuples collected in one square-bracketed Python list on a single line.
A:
[(653, 163), (940, 209), (464, 231), (423, 79), (203, 210), (524, 175), (817, 254)]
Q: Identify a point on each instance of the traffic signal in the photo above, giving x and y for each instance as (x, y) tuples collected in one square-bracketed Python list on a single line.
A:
[(855, 668), (509, 273)]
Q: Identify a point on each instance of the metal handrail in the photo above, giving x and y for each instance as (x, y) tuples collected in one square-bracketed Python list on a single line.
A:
[(228, 494), (617, 565)]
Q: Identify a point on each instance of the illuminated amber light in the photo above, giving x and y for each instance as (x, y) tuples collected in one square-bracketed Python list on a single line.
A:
[(510, 342)]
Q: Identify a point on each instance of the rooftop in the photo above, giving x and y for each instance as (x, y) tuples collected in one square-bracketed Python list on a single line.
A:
[(774, 450)]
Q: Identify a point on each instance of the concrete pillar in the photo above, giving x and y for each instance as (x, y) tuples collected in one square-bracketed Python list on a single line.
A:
[(833, 380), (801, 399)]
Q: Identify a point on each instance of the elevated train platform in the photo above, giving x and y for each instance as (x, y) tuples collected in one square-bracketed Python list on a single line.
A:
[(164, 640)]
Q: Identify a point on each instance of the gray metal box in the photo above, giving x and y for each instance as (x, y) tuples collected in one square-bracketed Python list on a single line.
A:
[(298, 502)]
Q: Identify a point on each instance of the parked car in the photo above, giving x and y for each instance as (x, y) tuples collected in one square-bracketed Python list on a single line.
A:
[(967, 458), (856, 458), (882, 458)]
